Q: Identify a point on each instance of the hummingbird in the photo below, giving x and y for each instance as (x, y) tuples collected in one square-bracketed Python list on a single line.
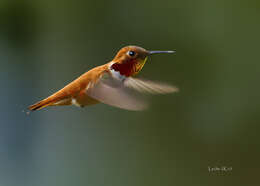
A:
[(113, 83)]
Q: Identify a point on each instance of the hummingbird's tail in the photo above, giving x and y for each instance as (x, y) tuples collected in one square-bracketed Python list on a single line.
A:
[(41, 104), (53, 100)]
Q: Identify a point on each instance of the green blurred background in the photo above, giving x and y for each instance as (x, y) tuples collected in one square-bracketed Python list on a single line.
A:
[(212, 122)]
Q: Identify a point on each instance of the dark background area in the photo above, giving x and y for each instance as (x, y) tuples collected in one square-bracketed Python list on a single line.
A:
[(212, 122)]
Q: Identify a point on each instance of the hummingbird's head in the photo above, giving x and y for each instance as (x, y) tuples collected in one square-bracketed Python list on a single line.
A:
[(131, 59)]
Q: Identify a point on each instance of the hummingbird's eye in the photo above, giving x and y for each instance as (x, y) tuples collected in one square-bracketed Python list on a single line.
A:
[(131, 53)]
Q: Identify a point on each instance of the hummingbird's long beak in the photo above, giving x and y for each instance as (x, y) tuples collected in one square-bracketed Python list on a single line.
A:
[(159, 52)]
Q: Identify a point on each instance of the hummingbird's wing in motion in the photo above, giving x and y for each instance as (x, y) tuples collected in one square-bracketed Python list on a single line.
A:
[(122, 93), (112, 91), (147, 86)]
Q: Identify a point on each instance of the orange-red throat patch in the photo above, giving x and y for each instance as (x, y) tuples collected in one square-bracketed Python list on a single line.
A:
[(129, 68)]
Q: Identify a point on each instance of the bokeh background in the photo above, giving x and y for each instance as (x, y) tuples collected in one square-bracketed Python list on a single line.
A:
[(212, 122)]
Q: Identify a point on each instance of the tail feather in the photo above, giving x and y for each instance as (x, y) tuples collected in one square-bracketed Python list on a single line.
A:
[(41, 104)]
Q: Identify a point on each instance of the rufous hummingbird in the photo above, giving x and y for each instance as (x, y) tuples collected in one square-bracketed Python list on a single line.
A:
[(112, 83)]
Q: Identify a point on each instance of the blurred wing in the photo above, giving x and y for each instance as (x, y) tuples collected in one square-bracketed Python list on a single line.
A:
[(112, 91), (147, 86)]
